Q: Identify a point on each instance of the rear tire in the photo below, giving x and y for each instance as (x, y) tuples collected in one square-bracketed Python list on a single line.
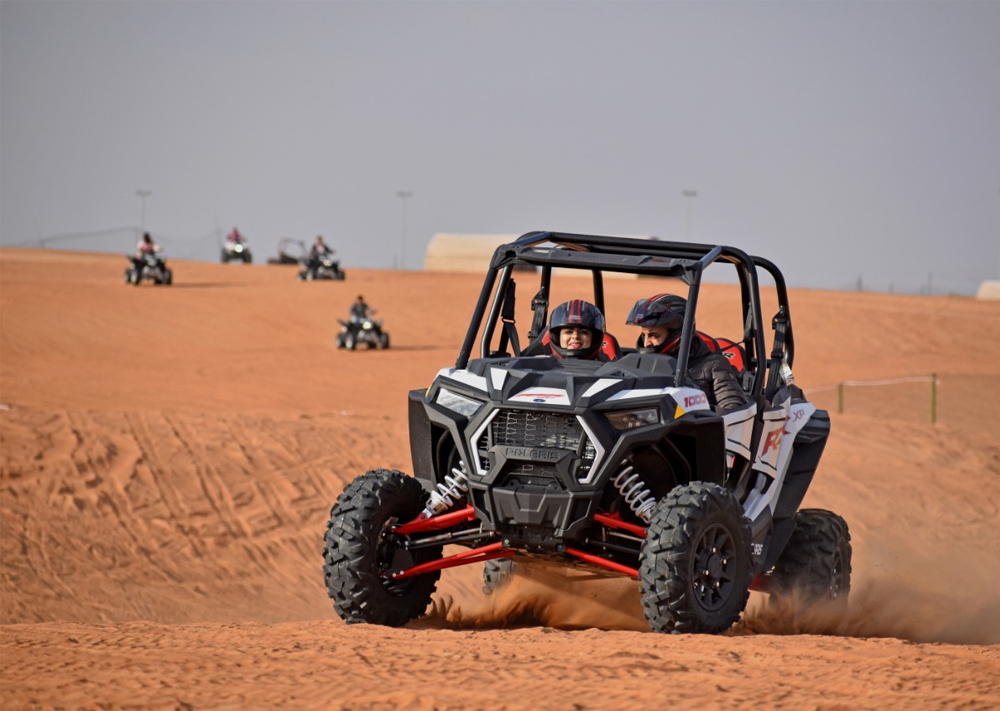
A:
[(816, 563), (696, 563), (360, 549)]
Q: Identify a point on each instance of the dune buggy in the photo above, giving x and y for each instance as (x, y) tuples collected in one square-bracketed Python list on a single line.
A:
[(619, 467)]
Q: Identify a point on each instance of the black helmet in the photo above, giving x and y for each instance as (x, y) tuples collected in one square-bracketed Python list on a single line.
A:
[(663, 311), (580, 314)]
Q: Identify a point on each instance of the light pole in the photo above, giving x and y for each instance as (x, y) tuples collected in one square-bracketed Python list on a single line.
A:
[(143, 194), (690, 195), (402, 195)]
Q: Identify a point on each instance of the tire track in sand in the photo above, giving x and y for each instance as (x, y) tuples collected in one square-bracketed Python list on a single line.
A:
[(172, 517)]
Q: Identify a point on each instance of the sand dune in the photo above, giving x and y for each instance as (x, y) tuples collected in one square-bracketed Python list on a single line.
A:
[(169, 455)]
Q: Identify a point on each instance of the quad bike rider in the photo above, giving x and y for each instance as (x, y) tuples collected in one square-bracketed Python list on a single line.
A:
[(149, 263), (622, 467), (236, 248), (320, 263), (361, 328)]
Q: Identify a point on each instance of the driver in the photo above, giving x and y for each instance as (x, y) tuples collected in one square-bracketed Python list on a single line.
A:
[(661, 317), (576, 330), (146, 247), (320, 249), (360, 310)]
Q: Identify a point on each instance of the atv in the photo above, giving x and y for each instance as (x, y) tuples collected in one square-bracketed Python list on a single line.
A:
[(322, 267), (618, 467), (151, 266), (233, 251), (361, 332)]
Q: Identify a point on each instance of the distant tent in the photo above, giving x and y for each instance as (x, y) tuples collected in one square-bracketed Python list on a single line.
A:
[(989, 290), (462, 253), (471, 253)]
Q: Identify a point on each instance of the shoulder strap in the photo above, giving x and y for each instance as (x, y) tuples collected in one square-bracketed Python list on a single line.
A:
[(509, 332), (780, 325), (540, 305)]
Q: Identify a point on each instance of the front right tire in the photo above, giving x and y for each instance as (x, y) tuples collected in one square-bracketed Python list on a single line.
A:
[(361, 551), (696, 563)]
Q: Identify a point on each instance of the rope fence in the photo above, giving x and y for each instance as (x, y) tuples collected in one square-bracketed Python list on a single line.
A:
[(932, 379)]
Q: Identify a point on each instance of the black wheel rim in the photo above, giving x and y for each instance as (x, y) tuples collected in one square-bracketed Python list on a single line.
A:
[(391, 556), (714, 568)]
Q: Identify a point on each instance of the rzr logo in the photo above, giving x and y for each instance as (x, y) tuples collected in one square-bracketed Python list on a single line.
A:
[(695, 400), (773, 440)]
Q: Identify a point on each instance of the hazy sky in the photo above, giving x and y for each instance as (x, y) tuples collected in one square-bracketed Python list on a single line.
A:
[(839, 139)]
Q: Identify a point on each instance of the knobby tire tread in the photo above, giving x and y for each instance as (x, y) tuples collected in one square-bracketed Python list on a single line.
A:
[(353, 581)]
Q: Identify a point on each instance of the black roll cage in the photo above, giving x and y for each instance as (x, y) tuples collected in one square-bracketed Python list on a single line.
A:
[(683, 260)]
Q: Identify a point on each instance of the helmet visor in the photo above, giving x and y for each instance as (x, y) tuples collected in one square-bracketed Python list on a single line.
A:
[(657, 312)]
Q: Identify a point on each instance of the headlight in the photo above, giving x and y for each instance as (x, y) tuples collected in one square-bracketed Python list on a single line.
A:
[(458, 403), (630, 419)]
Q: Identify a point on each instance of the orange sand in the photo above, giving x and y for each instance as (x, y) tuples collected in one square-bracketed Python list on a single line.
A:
[(169, 455)]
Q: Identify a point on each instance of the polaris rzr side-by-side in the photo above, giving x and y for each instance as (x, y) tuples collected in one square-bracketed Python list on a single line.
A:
[(617, 466), (151, 266), (361, 332)]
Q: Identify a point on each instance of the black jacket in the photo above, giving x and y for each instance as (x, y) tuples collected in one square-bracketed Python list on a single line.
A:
[(715, 375)]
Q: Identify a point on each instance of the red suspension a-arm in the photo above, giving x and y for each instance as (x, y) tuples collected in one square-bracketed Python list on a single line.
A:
[(436, 523), (475, 555)]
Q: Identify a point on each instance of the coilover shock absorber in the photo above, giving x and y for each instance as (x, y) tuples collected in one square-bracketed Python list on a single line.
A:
[(447, 492), (634, 491)]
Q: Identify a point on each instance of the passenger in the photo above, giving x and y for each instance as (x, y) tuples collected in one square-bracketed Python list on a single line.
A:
[(661, 318), (576, 330)]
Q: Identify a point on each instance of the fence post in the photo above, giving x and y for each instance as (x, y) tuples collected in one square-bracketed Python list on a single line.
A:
[(840, 398), (933, 398)]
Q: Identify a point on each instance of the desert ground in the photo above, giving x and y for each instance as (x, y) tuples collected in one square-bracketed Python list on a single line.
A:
[(169, 456)]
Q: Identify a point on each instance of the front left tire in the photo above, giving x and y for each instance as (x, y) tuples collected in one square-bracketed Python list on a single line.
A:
[(696, 563)]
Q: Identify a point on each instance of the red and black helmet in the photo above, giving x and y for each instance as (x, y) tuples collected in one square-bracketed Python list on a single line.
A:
[(579, 314), (663, 311)]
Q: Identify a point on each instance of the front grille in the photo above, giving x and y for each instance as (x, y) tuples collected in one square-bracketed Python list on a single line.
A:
[(547, 430), (536, 429)]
